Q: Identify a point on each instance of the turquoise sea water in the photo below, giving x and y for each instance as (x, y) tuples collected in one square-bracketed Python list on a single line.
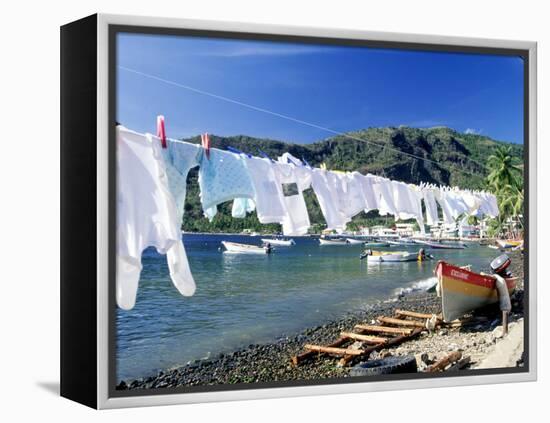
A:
[(244, 299)]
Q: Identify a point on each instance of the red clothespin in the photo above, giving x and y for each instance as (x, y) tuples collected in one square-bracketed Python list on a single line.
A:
[(205, 142), (161, 130)]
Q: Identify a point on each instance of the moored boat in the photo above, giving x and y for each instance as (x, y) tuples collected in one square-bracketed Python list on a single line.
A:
[(334, 241), (234, 247), (389, 257), (279, 242), (441, 245), (462, 290), (353, 241), (376, 244), (509, 243)]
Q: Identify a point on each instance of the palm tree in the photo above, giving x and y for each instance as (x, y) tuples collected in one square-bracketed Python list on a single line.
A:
[(502, 171), (505, 179)]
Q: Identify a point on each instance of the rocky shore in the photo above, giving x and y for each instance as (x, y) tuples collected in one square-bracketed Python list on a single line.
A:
[(271, 362)]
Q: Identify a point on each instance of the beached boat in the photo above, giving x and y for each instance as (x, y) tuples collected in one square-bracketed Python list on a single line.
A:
[(440, 245), (334, 241), (234, 247), (353, 241), (389, 257), (279, 242), (509, 243), (462, 290)]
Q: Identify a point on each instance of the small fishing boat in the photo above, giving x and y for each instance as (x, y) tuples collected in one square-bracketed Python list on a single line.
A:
[(441, 245), (353, 241), (402, 242), (388, 257), (281, 242), (234, 247), (509, 243), (376, 244), (462, 290), (333, 241)]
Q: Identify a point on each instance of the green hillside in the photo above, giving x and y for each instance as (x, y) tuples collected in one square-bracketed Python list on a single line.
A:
[(452, 158)]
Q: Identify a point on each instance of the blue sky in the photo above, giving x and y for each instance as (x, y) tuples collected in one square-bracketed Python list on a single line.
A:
[(342, 88)]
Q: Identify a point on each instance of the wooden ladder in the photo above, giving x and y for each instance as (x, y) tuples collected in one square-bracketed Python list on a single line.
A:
[(390, 331)]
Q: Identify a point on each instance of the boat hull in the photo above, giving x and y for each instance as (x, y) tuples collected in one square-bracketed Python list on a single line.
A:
[(440, 245), (331, 242), (463, 291), (354, 241), (399, 257), (506, 243), (279, 242), (377, 244), (235, 248)]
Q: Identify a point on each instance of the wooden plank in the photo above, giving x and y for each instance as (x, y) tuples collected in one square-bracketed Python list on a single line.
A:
[(444, 362), (400, 322), (364, 338), (383, 329), (333, 350), (415, 315), (459, 364), (297, 359), (390, 343)]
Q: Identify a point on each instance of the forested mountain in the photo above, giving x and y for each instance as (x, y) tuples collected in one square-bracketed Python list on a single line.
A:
[(450, 158)]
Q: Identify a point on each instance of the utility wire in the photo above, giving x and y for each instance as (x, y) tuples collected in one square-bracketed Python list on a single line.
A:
[(290, 118)]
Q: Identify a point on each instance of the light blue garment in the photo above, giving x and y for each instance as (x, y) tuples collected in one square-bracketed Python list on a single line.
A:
[(242, 206), (222, 177), (179, 158)]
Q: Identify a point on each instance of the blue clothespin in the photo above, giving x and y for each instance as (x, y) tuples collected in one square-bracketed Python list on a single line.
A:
[(264, 155), (237, 151)]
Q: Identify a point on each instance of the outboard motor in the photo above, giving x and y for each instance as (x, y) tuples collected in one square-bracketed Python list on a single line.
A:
[(500, 266)]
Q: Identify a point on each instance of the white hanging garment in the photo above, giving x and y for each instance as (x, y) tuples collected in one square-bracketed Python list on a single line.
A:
[(326, 188), (384, 191), (416, 198), (431, 206), (472, 201), (293, 180), (445, 208), (405, 204), (268, 194), (354, 200), (456, 203), (371, 198), (223, 176), (146, 216), (242, 206), (493, 205)]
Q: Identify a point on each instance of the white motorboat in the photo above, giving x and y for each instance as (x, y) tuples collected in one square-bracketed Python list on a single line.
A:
[(279, 242), (335, 241), (389, 257), (353, 241), (234, 247)]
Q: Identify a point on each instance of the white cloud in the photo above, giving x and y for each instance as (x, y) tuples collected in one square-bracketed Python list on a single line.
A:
[(472, 131)]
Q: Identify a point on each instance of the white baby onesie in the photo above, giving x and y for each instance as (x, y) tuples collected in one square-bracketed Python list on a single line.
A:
[(146, 216)]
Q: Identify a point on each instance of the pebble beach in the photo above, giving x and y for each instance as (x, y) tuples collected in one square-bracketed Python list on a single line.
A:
[(481, 341)]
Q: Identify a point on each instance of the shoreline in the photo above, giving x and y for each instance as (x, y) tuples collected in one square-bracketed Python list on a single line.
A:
[(271, 361)]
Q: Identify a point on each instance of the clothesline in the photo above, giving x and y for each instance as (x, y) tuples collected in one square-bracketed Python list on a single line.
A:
[(293, 119), (152, 188)]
